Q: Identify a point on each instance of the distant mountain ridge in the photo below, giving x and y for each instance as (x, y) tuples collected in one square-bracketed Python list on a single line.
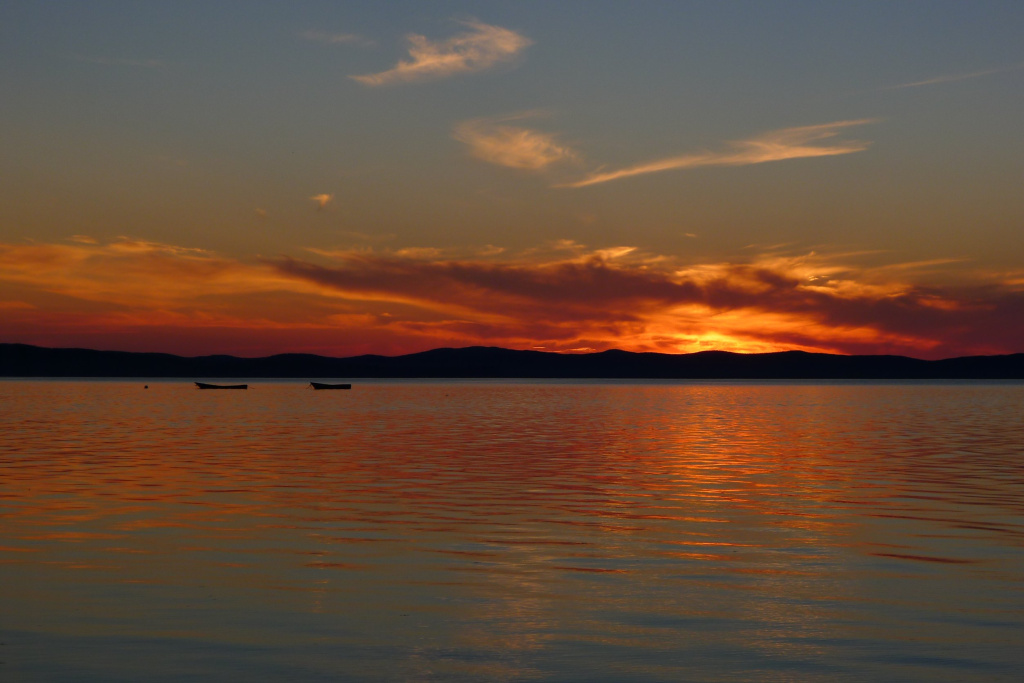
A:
[(23, 360)]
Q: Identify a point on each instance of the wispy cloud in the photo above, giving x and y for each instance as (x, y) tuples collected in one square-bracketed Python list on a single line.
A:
[(480, 48), (178, 297), (494, 142), (159, 273), (951, 78), (336, 38), (778, 145), (322, 200)]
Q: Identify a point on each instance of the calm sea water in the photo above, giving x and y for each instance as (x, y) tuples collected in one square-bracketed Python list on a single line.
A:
[(511, 531)]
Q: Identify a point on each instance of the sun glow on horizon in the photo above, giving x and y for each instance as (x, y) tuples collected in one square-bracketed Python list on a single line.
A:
[(567, 299)]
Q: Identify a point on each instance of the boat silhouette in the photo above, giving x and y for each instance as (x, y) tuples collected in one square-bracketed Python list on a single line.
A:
[(322, 385), (204, 385)]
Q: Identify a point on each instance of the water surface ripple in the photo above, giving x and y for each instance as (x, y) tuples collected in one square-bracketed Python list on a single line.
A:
[(511, 531)]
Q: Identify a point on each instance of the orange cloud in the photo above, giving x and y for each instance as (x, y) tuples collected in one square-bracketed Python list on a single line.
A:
[(622, 298), (480, 48), (511, 146), (150, 296), (322, 200), (133, 273)]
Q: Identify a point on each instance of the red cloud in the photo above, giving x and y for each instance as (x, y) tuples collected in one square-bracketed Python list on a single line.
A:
[(146, 296)]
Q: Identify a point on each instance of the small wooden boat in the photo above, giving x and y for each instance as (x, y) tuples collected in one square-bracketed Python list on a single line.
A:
[(204, 385), (322, 385)]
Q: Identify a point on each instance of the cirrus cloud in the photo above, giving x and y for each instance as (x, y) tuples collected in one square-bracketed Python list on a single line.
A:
[(777, 145), (952, 78), (480, 48)]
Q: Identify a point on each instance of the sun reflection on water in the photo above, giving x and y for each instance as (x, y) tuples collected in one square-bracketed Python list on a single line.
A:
[(515, 530)]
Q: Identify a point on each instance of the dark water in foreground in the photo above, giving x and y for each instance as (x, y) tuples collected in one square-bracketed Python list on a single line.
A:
[(511, 531)]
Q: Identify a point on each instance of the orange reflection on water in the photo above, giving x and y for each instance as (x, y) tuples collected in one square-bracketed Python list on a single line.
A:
[(515, 518)]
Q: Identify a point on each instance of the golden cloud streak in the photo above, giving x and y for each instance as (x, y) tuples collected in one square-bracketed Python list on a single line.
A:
[(779, 145), (136, 273)]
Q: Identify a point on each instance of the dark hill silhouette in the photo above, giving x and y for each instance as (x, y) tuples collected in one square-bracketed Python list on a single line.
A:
[(22, 360)]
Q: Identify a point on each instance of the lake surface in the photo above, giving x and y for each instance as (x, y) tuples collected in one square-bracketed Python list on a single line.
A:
[(421, 531)]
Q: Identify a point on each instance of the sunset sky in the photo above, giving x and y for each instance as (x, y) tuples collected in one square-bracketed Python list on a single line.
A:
[(366, 177)]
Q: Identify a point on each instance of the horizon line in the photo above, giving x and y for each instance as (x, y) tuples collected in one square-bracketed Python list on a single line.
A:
[(568, 352)]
